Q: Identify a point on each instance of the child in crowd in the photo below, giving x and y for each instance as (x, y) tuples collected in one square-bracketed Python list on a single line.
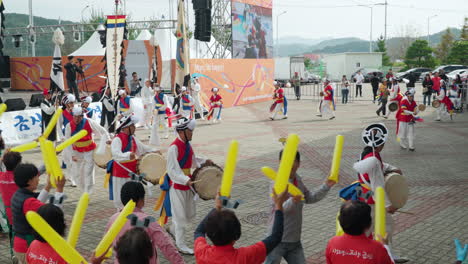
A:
[(223, 229), (7, 181), (25, 200), (290, 247), (135, 246), (160, 239), (40, 252)]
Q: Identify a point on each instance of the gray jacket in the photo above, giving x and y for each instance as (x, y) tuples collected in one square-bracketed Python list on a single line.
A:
[(293, 211)]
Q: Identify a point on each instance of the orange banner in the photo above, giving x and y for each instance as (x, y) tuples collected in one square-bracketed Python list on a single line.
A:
[(33, 73), (239, 81)]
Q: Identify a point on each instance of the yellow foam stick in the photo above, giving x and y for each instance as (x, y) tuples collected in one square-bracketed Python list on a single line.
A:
[(287, 160), (293, 190), (3, 108), (25, 147), (46, 160), (77, 221), (335, 168), (379, 213), (71, 140), (229, 169), (115, 228), (53, 160), (52, 123), (339, 229), (67, 252)]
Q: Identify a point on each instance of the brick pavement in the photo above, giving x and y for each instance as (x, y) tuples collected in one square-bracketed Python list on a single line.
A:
[(436, 174)]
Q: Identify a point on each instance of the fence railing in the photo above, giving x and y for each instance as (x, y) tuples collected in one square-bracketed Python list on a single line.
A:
[(312, 92)]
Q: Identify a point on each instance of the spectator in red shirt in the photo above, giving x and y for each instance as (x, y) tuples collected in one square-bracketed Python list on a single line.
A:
[(25, 200), (354, 246), (224, 229), (7, 181), (436, 83), (40, 252)]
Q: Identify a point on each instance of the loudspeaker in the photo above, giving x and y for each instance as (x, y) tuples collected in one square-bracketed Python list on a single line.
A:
[(203, 24), (16, 104), (201, 4), (4, 66), (36, 100)]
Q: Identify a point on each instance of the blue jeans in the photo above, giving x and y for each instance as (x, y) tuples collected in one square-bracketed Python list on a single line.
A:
[(428, 96), (292, 252), (344, 96)]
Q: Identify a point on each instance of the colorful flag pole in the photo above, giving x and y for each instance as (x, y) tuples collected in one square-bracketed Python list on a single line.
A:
[(182, 51)]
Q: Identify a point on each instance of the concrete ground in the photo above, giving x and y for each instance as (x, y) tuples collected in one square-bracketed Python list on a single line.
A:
[(436, 172)]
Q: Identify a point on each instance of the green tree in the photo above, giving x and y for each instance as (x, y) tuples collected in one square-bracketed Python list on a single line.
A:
[(459, 53), (464, 31), (419, 54), (381, 48), (307, 63), (443, 49)]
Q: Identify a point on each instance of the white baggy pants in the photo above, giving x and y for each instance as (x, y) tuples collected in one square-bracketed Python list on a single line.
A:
[(82, 171), (117, 183), (327, 108), (442, 111), (406, 134), (158, 119), (197, 105), (183, 212), (278, 108)]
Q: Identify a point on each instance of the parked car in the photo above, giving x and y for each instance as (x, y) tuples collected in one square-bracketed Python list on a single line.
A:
[(368, 74), (452, 75), (449, 68), (416, 71), (314, 78)]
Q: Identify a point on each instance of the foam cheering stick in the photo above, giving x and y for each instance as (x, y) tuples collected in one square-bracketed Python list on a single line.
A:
[(67, 252), (287, 160), (115, 228), (293, 190), (71, 140), (229, 169), (53, 160), (339, 229), (379, 213), (335, 168), (46, 160), (3, 108), (52, 123), (77, 221), (25, 147)]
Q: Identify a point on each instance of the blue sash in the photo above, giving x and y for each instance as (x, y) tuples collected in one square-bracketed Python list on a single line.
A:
[(110, 166)]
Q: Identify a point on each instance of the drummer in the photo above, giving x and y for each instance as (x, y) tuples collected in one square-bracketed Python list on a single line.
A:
[(327, 106), (187, 103), (216, 105), (371, 170), (85, 102), (180, 160), (159, 105), (125, 149), (406, 117), (82, 166), (279, 103), (395, 95)]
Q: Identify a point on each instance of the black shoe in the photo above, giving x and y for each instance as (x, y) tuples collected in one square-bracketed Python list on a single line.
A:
[(271, 118), (377, 112), (411, 149), (331, 118)]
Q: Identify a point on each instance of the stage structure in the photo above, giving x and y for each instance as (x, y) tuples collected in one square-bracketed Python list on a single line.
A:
[(220, 30)]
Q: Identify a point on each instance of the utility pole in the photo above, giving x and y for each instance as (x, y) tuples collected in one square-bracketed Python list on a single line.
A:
[(277, 30), (385, 30), (32, 34)]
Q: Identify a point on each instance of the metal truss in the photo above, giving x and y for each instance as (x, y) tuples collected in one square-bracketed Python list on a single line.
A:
[(72, 28), (221, 22)]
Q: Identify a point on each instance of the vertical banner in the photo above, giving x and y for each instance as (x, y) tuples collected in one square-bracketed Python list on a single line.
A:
[(56, 70), (182, 52), (114, 37)]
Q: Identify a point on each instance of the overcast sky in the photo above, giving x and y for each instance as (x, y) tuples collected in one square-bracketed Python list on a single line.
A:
[(305, 18)]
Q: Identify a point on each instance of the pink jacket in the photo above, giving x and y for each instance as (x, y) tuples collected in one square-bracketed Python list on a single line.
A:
[(160, 238)]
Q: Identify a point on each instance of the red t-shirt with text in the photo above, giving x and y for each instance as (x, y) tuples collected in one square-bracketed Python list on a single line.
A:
[(348, 249), (42, 253)]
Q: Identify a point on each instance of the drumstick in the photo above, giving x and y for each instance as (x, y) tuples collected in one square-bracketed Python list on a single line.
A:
[(406, 212), (197, 181)]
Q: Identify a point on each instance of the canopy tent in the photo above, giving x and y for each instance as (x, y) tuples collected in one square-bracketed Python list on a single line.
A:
[(144, 35), (92, 47)]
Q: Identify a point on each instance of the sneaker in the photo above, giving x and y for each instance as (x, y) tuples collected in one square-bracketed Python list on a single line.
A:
[(377, 112), (285, 117), (404, 148), (412, 149), (331, 118), (319, 115), (271, 118), (183, 249), (400, 259), (386, 117), (438, 119)]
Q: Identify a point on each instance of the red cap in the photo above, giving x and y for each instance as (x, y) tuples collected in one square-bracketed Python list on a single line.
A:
[(45, 91)]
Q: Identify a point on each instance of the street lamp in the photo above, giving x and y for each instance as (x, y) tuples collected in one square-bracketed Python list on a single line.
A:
[(428, 32), (82, 21), (277, 30), (371, 15)]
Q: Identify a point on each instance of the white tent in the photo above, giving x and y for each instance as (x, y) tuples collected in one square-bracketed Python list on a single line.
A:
[(92, 47), (144, 35)]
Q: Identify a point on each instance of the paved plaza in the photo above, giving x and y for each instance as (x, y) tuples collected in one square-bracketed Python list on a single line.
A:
[(437, 173)]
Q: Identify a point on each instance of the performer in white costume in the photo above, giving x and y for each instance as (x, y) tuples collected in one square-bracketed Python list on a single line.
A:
[(180, 160), (82, 167), (406, 117), (196, 98), (159, 106), (446, 106), (146, 98), (126, 149), (187, 103)]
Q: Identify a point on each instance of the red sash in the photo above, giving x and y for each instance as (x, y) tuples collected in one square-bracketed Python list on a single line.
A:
[(117, 170), (86, 143)]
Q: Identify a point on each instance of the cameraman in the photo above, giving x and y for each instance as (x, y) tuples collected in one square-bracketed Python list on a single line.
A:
[(135, 86), (72, 69)]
